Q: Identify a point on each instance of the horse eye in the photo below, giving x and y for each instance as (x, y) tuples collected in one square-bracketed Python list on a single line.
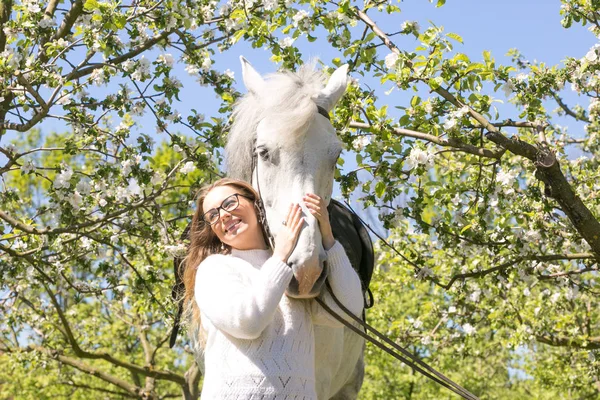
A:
[(263, 153)]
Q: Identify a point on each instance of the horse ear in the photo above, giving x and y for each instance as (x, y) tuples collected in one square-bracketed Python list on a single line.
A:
[(252, 79), (336, 86)]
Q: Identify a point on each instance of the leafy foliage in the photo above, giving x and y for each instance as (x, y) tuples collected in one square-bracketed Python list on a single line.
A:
[(493, 221)]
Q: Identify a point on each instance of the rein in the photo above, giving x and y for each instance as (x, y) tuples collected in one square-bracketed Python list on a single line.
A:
[(406, 357)]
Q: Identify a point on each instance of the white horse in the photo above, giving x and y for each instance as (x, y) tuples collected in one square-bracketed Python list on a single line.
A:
[(283, 121)]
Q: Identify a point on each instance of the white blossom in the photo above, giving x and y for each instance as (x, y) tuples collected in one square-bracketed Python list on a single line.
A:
[(46, 22), (188, 167), (469, 329), (133, 188), (27, 167), (102, 202), (166, 59), (360, 142), (75, 200), (572, 293), (286, 42), (65, 98), (410, 26), (450, 123), (522, 77), (206, 64), (86, 242), (192, 69), (506, 178), (62, 43), (33, 7), (456, 199), (128, 65), (300, 15), (229, 73), (127, 164), (83, 187), (390, 60), (62, 180), (97, 77), (269, 4), (419, 157), (142, 69), (508, 88), (591, 55)]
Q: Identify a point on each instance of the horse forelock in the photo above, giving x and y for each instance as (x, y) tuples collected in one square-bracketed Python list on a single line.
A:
[(286, 96)]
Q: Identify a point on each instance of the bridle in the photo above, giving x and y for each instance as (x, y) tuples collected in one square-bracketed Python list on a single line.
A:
[(258, 203)]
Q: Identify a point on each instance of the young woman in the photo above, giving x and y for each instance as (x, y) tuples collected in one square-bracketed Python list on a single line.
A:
[(258, 343)]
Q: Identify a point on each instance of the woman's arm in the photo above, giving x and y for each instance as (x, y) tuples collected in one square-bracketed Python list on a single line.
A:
[(236, 303), (344, 281)]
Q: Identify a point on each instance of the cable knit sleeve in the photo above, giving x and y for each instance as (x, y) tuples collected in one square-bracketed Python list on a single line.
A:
[(346, 286), (237, 302)]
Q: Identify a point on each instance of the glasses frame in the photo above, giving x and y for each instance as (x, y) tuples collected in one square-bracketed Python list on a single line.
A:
[(219, 208)]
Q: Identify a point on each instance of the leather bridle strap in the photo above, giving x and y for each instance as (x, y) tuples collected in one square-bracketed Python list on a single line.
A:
[(323, 112), (407, 357), (260, 207)]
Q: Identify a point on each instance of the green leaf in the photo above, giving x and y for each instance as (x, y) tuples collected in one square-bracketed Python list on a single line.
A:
[(465, 229), (380, 189), (455, 37), (90, 5), (487, 56)]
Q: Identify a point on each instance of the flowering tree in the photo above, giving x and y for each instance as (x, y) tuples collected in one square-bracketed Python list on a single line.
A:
[(494, 235)]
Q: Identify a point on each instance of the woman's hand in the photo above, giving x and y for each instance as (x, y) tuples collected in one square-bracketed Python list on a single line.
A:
[(288, 235), (318, 208)]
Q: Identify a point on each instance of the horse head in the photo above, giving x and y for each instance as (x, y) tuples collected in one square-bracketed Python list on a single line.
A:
[(283, 142)]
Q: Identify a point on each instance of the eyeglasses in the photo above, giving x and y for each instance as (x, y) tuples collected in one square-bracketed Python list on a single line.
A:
[(229, 204)]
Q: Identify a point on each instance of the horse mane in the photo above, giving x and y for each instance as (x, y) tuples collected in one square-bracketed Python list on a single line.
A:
[(288, 95)]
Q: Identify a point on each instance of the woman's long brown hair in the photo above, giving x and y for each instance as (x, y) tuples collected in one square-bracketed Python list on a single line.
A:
[(204, 242)]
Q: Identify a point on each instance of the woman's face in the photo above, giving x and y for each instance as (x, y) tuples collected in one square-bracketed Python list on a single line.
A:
[(238, 228)]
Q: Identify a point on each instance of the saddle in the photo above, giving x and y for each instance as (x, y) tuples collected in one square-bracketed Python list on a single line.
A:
[(348, 229)]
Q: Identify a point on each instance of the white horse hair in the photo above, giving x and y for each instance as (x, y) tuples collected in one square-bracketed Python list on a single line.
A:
[(296, 151)]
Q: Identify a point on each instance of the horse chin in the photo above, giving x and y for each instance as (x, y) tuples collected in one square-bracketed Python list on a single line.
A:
[(310, 283)]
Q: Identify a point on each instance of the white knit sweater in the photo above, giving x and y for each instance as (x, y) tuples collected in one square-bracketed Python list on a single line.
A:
[(260, 343)]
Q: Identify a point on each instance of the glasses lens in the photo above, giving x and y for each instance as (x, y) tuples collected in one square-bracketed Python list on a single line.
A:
[(211, 216), (230, 203)]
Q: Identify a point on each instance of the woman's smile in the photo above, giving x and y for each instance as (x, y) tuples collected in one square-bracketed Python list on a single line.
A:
[(232, 225)]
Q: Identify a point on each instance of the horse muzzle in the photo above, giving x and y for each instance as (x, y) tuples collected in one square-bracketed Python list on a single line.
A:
[(308, 280)]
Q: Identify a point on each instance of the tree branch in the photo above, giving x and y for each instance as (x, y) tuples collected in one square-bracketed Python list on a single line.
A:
[(192, 379), (88, 369), (450, 142), (5, 8), (76, 74), (508, 264), (590, 343), (567, 110)]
